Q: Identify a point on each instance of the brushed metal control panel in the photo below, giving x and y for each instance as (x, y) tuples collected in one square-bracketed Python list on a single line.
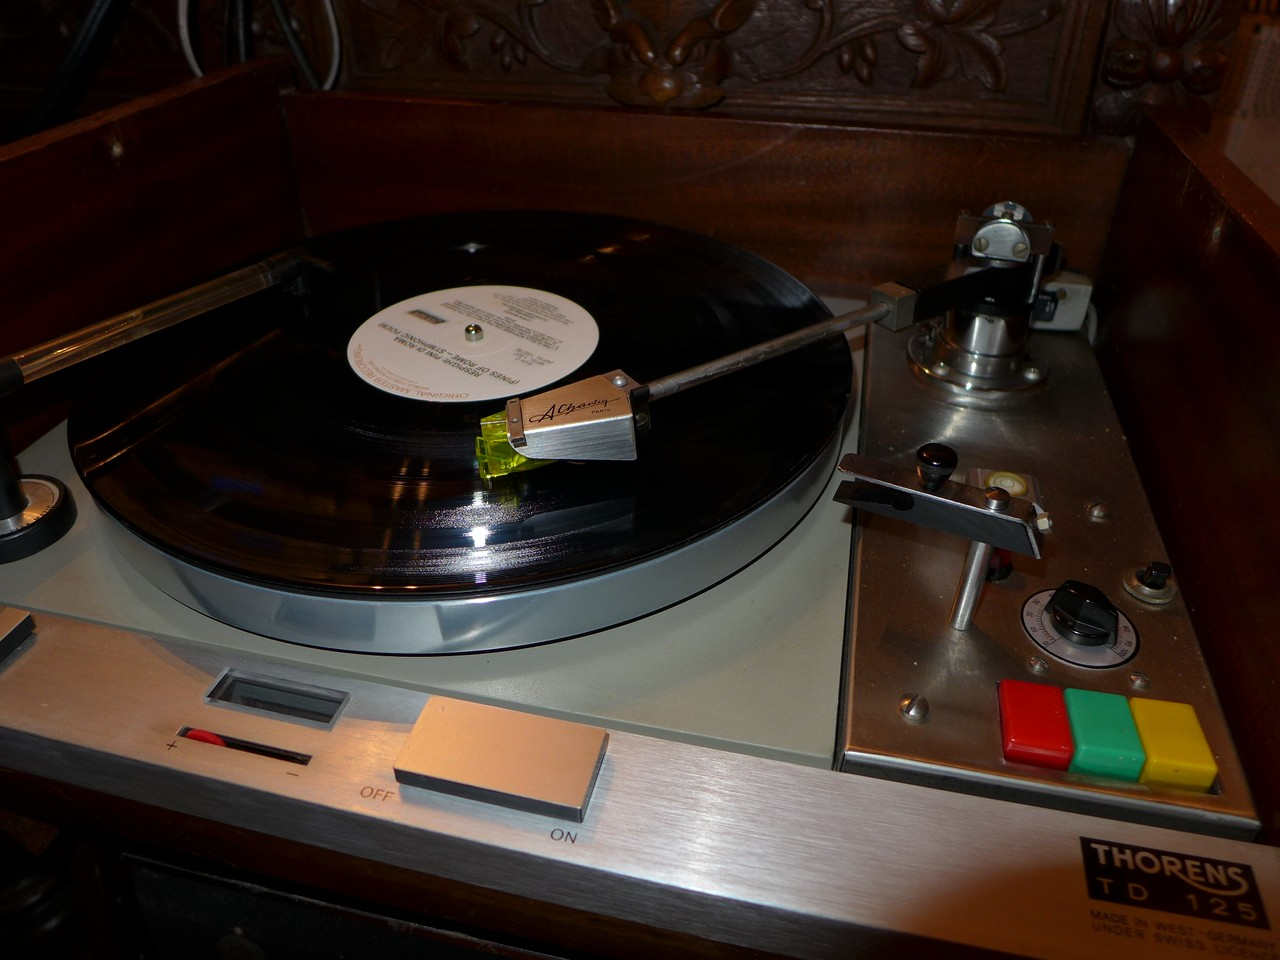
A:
[(740, 850), (922, 699)]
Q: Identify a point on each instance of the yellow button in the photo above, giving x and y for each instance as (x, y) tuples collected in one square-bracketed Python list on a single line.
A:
[(1178, 755)]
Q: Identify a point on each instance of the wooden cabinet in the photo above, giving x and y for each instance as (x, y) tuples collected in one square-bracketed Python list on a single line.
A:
[(839, 140)]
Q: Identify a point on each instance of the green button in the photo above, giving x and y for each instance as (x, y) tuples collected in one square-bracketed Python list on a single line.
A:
[(1107, 741)]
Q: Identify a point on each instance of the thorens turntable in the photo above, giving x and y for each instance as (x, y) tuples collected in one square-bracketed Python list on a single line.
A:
[(694, 677)]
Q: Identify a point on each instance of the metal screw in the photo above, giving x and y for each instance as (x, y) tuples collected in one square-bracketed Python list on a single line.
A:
[(473, 332), (1037, 665), (1139, 680), (980, 244), (1020, 249), (618, 380), (1099, 511), (914, 708)]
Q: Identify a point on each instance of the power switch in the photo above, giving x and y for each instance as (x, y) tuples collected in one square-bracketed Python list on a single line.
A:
[(506, 757), (15, 626)]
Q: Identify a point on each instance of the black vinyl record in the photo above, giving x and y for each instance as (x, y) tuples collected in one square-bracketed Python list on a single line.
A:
[(244, 443)]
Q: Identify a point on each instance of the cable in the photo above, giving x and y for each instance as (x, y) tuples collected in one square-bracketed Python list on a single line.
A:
[(81, 62), (291, 38), (184, 37), (240, 13), (335, 47), (295, 45)]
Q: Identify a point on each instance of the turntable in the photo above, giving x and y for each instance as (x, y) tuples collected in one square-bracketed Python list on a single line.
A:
[(313, 617)]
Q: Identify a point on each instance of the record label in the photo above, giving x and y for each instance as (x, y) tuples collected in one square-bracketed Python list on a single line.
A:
[(466, 344)]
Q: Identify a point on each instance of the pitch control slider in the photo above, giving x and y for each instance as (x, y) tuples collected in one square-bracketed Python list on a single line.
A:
[(200, 735)]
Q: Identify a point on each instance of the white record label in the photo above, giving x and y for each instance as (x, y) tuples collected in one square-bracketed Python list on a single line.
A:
[(472, 343)]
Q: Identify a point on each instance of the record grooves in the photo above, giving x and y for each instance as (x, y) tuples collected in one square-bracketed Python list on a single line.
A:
[(253, 468)]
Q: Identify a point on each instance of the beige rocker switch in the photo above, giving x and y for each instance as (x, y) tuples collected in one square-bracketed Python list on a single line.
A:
[(505, 757)]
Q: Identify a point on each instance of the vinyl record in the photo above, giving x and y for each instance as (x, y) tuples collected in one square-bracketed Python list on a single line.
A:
[(264, 475)]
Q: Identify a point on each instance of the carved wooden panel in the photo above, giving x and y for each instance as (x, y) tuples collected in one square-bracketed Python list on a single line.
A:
[(1163, 53), (1001, 63), (1042, 65)]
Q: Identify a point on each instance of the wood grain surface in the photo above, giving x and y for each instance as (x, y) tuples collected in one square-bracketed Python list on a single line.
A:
[(1188, 301)]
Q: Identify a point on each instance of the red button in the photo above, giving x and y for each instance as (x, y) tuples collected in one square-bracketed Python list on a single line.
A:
[(1034, 727)]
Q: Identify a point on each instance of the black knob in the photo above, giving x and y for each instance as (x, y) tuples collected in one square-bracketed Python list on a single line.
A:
[(1155, 575), (1083, 614), (935, 462)]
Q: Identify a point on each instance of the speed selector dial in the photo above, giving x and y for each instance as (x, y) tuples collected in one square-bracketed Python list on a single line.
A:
[(1082, 614), (1078, 624)]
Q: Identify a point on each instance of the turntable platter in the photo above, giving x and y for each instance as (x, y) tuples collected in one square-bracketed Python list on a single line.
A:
[(262, 476)]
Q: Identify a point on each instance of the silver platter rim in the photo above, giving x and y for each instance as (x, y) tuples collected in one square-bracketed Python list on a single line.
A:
[(479, 624)]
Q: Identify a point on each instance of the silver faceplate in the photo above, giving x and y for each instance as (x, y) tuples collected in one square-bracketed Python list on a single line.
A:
[(1066, 436), (745, 851)]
